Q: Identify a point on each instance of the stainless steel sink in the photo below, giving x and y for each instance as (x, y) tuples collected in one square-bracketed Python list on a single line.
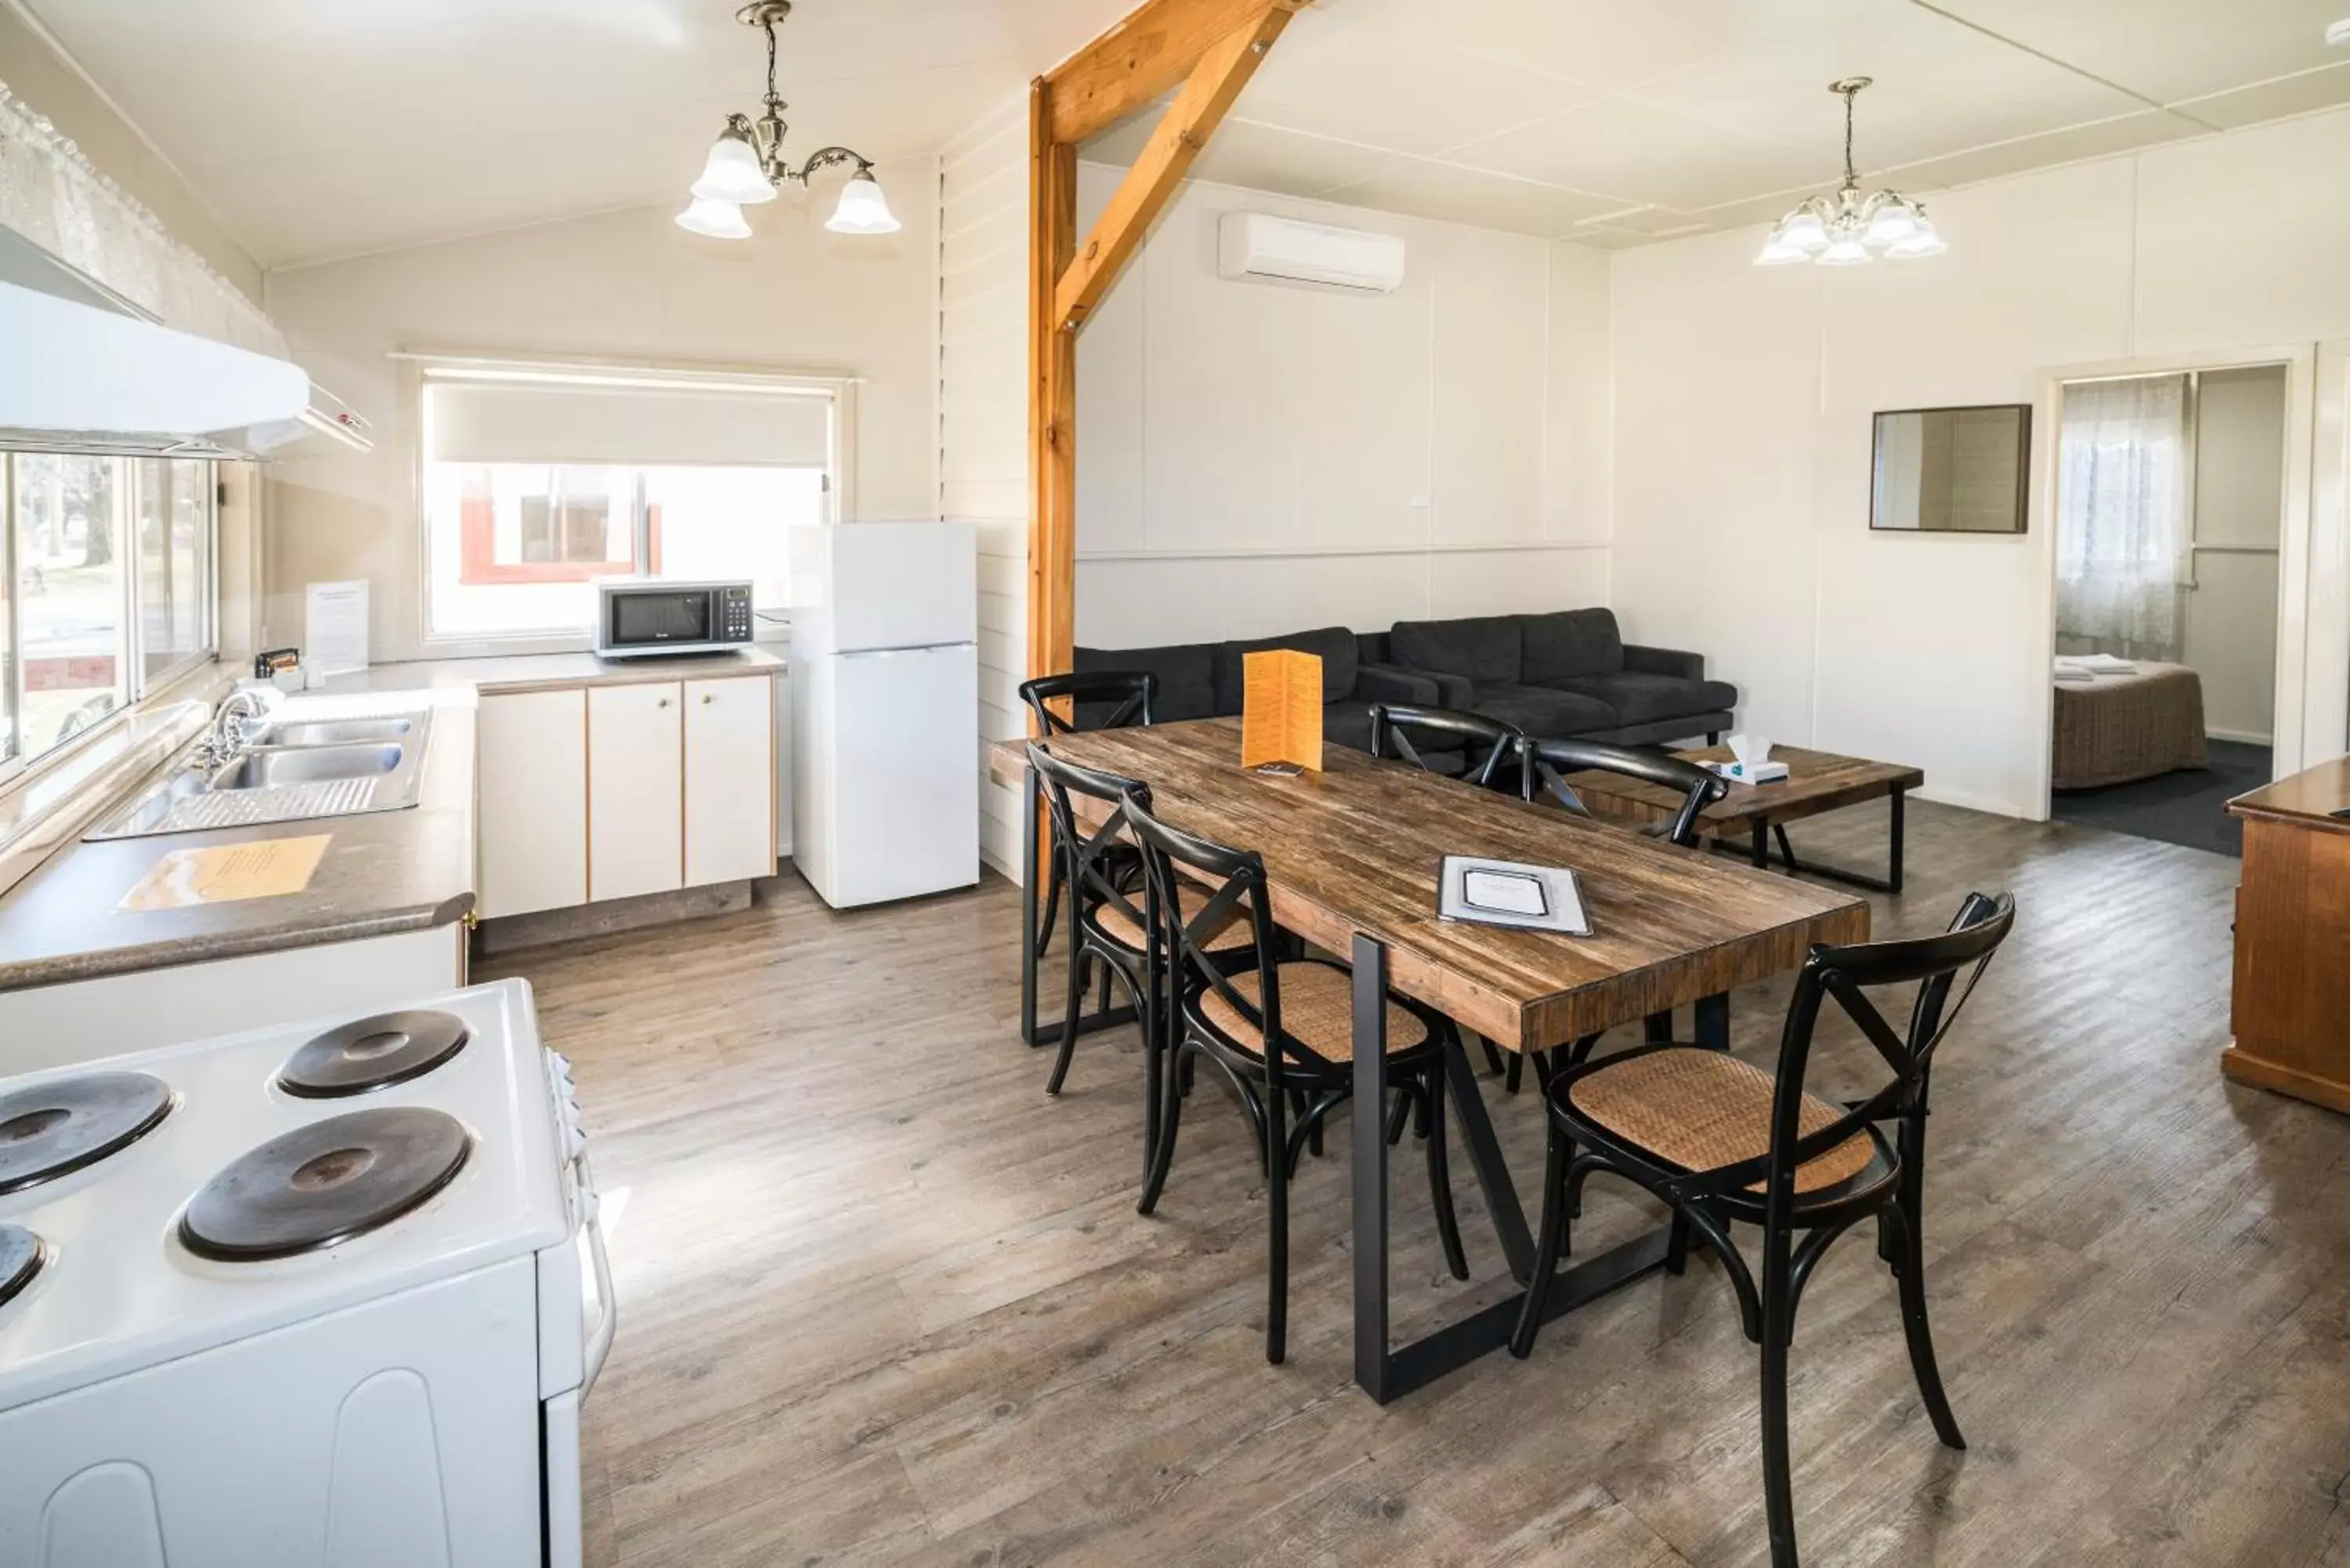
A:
[(301, 769), (264, 766), (327, 732)]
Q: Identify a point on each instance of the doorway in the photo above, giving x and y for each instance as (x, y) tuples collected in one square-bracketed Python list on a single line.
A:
[(2170, 522)]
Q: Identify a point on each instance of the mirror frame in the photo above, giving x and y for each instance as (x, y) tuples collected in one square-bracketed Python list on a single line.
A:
[(2023, 471)]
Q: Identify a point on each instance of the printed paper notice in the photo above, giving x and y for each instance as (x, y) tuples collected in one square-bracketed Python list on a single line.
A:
[(337, 628), (227, 873), (1281, 710)]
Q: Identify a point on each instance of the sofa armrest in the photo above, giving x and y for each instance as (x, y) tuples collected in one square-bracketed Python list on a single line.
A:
[(1386, 684), (1664, 661)]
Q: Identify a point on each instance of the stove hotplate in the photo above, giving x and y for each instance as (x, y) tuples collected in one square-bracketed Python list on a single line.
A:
[(369, 1053), (21, 1257), (324, 1183), (65, 1124)]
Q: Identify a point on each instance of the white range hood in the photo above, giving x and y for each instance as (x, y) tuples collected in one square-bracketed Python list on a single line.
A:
[(86, 368)]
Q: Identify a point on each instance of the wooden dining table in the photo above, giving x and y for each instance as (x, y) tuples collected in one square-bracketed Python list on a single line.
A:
[(1352, 855)]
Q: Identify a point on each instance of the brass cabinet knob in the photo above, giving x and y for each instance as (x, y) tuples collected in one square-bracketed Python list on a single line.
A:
[(662, 704), (707, 699)]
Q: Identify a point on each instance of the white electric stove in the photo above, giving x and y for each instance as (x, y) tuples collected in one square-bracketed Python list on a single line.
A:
[(327, 1295)]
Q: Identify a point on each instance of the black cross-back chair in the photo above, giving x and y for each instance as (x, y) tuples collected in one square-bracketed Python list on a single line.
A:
[(1542, 767), (1281, 1034), (1109, 919), (1401, 733), (1131, 692), (1720, 1140)]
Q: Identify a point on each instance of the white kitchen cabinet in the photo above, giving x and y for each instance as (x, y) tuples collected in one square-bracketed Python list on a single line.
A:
[(533, 840), (636, 790), (730, 792)]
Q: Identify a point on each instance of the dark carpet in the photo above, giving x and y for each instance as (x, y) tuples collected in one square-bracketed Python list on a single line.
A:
[(2188, 806)]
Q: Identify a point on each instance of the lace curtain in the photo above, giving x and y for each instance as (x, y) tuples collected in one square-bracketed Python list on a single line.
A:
[(2122, 518), (54, 196)]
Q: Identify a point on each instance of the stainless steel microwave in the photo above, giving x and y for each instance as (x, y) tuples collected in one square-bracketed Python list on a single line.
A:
[(637, 616)]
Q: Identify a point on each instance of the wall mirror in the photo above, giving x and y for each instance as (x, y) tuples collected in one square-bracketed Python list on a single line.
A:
[(1952, 471)]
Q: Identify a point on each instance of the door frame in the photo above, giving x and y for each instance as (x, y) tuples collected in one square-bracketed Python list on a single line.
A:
[(2313, 643)]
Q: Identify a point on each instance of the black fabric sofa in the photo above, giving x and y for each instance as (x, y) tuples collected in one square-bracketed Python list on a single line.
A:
[(1204, 680), (1564, 674), (1569, 673)]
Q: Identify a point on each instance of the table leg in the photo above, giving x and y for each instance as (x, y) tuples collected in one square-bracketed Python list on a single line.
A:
[(1388, 1374), (1760, 853), (1373, 1366), (1893, 844), (1485, 1157), (1713, 1022), (1028, 955)]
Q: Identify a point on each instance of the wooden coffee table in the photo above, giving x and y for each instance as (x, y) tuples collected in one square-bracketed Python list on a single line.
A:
[(1816, 782)]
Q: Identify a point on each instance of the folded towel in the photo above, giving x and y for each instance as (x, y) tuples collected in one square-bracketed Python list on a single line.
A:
[(2096, 664)]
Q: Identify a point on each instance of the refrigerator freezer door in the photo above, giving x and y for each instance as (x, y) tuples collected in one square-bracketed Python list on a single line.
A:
[(903, 585), (905, 808)]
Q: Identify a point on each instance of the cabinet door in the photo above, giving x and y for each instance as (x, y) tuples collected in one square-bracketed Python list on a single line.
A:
[(636, 790), (533, 802), (730, 786)]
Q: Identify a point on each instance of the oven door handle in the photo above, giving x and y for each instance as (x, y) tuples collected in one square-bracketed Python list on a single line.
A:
[(607, 1322)]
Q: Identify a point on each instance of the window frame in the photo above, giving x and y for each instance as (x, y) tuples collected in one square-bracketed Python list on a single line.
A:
[(137, 683), (423, 370)]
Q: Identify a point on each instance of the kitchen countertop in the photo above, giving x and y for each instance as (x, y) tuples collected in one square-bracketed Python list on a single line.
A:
[(553, 671), (382, 873)]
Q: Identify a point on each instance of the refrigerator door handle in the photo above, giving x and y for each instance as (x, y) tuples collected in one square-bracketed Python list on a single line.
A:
[(896, 652)]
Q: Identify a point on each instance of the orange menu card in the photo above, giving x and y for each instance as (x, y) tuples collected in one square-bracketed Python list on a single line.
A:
[(227, 873), (1281, 710)]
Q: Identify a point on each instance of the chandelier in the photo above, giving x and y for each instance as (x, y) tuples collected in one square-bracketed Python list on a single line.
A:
[(747, 162), (1848, 228)]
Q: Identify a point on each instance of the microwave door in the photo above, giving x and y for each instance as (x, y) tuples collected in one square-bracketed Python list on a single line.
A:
[(659, 619)]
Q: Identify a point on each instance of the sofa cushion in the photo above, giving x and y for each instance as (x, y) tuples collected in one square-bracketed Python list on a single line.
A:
[(1649, 699), (1571, 643), (1544, 711), (1333, 645), (1187, 687), (1488, 650)]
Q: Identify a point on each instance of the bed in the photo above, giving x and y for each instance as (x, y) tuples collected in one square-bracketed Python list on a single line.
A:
[(2116, 727)]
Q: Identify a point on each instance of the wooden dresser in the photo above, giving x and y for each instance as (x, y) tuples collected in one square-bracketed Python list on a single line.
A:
[(2291, 1011)]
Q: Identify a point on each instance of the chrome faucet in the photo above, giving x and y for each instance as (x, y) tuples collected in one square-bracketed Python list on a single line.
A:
[(225, 737)]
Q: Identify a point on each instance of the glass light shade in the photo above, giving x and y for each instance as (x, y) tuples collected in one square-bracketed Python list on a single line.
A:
[(1922, 241), (1843, 252), (719, 220), (1777, 252), (1893, 221), (1804, 231), (733, 174), (863, 209)]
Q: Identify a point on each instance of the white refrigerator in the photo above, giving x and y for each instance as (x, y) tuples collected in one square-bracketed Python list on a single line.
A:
[(885, 710)]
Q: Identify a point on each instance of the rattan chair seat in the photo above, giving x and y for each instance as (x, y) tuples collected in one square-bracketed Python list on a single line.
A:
[(1318, 1009), (1701, 1110)]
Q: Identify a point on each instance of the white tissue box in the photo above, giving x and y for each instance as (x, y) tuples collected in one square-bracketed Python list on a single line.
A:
[(1760, 773)]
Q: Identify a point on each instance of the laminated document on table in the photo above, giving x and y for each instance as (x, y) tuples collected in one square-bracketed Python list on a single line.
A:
[(1507, 893)]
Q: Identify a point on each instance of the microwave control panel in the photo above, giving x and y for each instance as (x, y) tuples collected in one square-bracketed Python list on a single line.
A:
[(734, 616)]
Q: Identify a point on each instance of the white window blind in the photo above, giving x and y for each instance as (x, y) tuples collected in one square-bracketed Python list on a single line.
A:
[(476, 420)]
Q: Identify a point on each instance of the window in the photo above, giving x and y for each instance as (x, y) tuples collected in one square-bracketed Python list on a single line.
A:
[(175, 565), (539, 483), (108, 589)]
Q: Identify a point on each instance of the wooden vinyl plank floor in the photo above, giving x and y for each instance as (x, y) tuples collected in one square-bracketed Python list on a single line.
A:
[(884, 1303)]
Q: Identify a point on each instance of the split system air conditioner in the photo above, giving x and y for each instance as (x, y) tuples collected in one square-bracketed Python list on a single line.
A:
[(1262, 248)]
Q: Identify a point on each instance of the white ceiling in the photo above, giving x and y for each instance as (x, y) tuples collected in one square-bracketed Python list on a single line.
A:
[(1617, 121), (316, 128), (321, 129)]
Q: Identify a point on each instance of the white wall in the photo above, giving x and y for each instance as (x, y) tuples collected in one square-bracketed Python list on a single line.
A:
[(982, 434), (1744, 397), (1255, 459), (627, 286)]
